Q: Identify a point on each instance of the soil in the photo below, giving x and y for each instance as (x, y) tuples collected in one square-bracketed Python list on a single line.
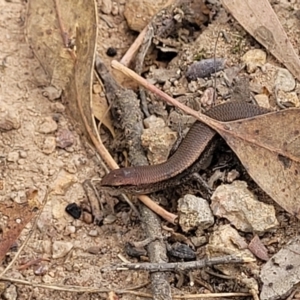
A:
[(26, 165)]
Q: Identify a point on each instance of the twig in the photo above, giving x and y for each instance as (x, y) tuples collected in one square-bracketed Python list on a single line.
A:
[(139, 62), (126, 59), (32, 262), (94, 201), (201, 117), (215, 67), (212, 295), (210, 272), (167, 267), (79, 289), (68, 288), (143, 243)]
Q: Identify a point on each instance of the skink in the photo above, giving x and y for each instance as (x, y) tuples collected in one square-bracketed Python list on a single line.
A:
[(189, 157)]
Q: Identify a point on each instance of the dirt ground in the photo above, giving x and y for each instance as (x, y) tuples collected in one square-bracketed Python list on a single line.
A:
[(72, 253)]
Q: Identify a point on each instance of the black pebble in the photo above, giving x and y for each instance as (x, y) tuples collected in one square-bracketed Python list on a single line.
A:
[(74, 210), (111, 51)]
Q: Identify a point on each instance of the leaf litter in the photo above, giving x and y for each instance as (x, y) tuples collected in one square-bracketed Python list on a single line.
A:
[(286, 160)]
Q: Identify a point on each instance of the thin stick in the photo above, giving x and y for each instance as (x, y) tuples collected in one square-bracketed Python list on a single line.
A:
[(191, 265), (126, 59), (212, 295), (203, 118)]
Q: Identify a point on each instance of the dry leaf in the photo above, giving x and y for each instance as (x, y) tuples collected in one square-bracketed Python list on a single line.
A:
[(102, 113), (269, 148), (64, 42), (18, 215), (260, 20)]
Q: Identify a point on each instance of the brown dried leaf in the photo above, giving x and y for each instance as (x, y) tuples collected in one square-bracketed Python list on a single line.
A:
[(18, 215), (102, 113), (269, 148), (64, 43), (260, 20)]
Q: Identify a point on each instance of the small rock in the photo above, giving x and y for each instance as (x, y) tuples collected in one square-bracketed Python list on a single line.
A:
[(58, 209), (51, 92), (9, 117), (23, 154), (281, 274), (193, 86), (223, 90), (262, 100), (70, 168), (237, 204), (232, 175), (49, 145), (256, 87), (86, 217), (225, 240), (47, 246), (93, 232), (288, 99), (111, 52), (74, 210), (61, 249), (57, 107), (158, 139), (182, 251), (106, 6), (194, 213), (115, 9), (64, 138), (138, 13), (97, 88), (13, 156), (21, 161), (284, 80), (153, 122), (218, 175), (10, 293), (230, 74), (93, 250), (70, 230), (19, 197), (47, 279), (44, 221), (198, 241), (41, 270), (62, 182), (47, 125), (162, 75), (253, 59), (204, 68), (207, 98), (258, 248), (265, 79), (109, 219)]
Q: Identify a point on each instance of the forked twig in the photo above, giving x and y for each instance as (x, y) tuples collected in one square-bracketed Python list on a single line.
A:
[(191, 265)]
